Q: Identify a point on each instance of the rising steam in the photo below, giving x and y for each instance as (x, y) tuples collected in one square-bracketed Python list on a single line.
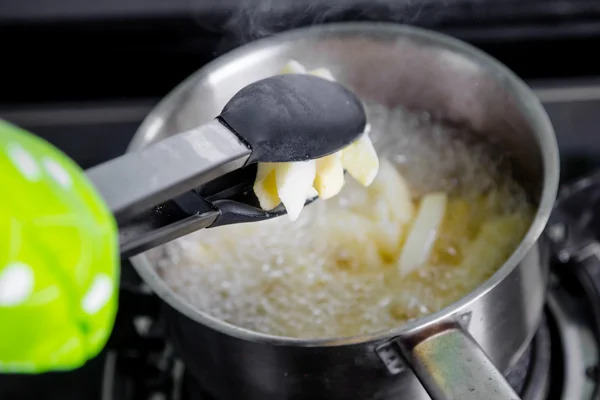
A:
[(252, 19)]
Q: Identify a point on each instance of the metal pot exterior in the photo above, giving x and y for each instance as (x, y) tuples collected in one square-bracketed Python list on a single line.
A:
[(393, 65)]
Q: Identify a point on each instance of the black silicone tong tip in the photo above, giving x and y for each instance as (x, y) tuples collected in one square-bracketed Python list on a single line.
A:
[(240, 208), (234, 212), (294, 118)]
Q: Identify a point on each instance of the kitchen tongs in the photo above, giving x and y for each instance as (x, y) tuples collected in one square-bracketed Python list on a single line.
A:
[(203, 178)]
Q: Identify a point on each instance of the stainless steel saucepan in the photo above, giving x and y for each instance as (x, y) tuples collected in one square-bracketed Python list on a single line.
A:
[(459, 352)]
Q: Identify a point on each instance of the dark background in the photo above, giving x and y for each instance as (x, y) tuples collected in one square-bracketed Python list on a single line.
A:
[(80, 50)]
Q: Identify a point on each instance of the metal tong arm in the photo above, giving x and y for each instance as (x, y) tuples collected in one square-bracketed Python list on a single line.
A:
[(138, 181), (167, 222)]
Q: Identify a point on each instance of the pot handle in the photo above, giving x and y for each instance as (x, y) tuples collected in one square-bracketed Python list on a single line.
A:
[(452, 366)]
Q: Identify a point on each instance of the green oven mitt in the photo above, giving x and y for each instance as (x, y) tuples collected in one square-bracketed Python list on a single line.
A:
[(59, 259)]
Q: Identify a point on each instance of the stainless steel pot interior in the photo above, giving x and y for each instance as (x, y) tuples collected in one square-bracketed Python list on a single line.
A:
[(392, 65)]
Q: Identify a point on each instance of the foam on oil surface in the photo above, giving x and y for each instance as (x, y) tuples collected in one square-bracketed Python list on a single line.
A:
[(333, 272)]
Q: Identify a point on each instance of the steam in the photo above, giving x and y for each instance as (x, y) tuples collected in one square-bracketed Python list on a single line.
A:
[(253, 19)]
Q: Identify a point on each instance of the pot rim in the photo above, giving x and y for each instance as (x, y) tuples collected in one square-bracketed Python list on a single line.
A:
[(540, 123)]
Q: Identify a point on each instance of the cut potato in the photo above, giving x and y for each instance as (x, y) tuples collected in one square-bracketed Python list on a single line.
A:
[(388, 237), (495, 242), (395, 192), (294, 182), (265, 186), (361, 161), (293, 67), (455, 233), (330, 176), (423, 233)]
